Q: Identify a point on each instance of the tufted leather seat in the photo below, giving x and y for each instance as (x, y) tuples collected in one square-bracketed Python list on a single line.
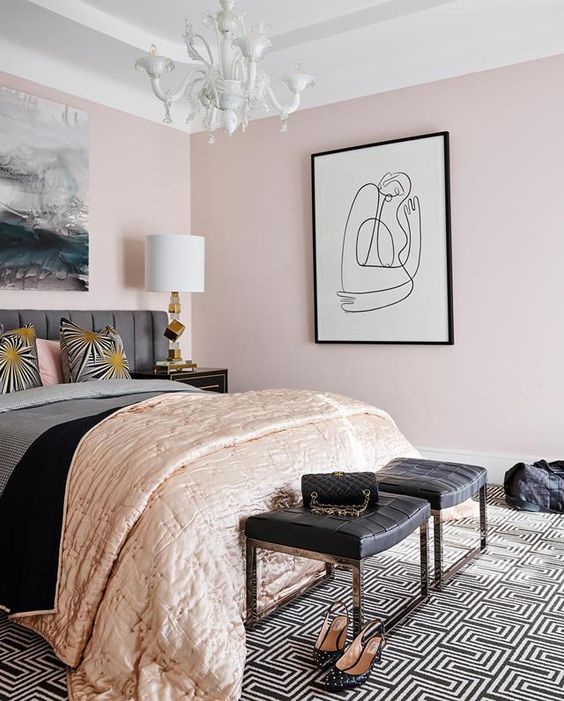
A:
[(443, 484), (379, 528)]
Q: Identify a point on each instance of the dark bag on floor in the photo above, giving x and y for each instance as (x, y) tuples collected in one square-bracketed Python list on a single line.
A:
[(537, 487)]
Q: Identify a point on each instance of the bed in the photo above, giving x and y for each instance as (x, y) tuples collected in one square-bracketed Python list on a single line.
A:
[(131, 496)]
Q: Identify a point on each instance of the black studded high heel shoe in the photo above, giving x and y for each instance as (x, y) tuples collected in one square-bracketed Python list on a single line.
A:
[(332, 637), (354, 667)]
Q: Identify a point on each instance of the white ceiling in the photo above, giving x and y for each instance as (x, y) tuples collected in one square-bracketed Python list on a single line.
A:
[(353, 47), (282, 15)]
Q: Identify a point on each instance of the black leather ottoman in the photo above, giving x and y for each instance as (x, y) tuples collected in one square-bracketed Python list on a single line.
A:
[(341, 541), (443, 484)]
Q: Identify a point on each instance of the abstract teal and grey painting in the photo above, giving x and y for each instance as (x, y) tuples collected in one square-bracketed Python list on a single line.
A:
[(43, 194)]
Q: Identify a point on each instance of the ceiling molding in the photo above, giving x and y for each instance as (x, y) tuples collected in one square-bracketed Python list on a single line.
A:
[(393, 9), (81, 48), (108, 25), (66, 78), (103, 22)]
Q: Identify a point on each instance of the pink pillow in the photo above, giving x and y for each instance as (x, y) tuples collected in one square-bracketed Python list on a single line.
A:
[(49, 357)]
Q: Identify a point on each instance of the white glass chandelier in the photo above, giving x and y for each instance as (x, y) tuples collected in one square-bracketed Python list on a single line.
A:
[(228, 85)]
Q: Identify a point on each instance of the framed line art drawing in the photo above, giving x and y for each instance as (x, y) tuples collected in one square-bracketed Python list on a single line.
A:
[(382, 245)]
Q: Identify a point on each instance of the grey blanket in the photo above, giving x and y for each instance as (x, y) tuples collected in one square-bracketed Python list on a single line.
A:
[(24, 416)]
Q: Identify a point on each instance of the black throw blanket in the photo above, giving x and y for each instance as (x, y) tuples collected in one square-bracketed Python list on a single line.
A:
[(31, 517)]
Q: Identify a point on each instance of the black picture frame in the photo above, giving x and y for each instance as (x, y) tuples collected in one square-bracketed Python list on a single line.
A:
[(448, 241)]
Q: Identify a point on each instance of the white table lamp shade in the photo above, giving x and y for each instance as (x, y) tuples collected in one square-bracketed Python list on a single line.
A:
[(174, 262)]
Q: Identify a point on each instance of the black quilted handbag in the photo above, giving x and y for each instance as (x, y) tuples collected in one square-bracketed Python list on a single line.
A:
[(340, 493), (536, 487)]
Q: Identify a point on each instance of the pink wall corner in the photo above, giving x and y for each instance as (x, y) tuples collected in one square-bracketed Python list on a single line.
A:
[(500, 388), (139, 184)]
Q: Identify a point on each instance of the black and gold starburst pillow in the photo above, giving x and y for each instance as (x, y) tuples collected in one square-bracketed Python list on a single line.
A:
[(19, 368), (92, 355)]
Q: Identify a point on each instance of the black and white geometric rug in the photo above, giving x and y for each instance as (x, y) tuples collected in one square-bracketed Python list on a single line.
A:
[(496, 632)]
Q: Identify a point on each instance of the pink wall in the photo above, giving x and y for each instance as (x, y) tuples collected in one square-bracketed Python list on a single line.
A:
[(500, 389), (139, 184)]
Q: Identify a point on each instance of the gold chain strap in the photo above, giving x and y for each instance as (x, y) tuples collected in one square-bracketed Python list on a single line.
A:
[(336, 510)]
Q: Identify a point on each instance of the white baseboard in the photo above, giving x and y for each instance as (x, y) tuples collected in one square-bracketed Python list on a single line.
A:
[(496, 465)]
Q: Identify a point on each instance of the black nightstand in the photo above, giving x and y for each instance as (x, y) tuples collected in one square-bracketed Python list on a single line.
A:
[(210, 379)]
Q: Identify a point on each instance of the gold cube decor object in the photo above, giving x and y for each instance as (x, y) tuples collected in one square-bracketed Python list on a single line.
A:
[(174, 330), (174, 304)]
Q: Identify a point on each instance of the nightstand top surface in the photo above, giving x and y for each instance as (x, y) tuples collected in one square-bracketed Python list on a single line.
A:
[(180, 373)]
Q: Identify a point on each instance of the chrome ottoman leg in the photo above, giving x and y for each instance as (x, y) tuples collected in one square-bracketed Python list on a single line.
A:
[(438, 549), (357, 572), (424, 558), (423, 596), (441, 575), (251, 568), (483, 517)]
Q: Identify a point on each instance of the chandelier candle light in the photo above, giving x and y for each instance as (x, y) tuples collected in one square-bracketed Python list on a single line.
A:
[(228, 85)]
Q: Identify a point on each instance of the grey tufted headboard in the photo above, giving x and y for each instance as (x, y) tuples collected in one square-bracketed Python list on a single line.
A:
[(141, 331)]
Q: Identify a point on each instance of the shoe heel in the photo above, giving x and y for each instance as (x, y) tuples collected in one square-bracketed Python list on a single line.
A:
[(332, 638)]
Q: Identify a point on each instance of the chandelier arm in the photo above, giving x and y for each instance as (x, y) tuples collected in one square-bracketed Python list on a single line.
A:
[(283, 110), (209, 120), (217, 40), (237, 64), (208, 49), (194, 54), (169, 97), (206, 101), (243, 23), (193, 93), (216, 101)]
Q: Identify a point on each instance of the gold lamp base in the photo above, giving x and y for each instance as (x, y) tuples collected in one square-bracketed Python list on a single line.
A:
[(174, 355), (173, 332)]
